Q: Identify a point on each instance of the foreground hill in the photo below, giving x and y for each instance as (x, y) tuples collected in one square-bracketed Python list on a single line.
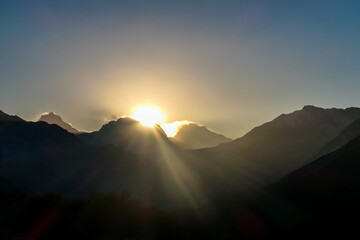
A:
[(193, 136), (52, 118), (287, 143)]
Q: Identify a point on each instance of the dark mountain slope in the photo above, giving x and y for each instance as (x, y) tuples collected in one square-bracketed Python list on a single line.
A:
[(288, 142), (52, 118), (8, 118), (40, 158), (193, 136), (324, 195), (335, 176), (32, 155), (348, 134)]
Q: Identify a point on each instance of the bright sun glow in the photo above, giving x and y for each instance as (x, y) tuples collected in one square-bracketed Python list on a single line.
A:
[(171, 129), (148, 116)]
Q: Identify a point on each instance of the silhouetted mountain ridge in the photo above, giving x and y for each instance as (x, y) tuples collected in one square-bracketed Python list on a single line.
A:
[(124, 155), (8, 118), (320, 197), (128, 134), (52, 118)]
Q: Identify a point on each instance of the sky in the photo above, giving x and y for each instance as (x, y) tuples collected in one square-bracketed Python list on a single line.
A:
[(229, 65)]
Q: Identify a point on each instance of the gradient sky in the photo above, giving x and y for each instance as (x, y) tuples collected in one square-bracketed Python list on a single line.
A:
[(230, 65)]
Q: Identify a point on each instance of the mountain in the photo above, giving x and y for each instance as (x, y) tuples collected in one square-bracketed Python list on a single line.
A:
[(40, 158), (31, 152), (52, 118), (349, 133), (128, 134), (8, 118), (124, 155), (218, 185), (287, 143), (193, 136)]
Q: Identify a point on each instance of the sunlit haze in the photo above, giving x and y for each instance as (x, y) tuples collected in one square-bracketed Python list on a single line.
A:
[(148, 115)]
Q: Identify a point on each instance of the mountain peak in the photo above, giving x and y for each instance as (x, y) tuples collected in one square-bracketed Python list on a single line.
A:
[(126, 120), (52, 118), (194, 136), (128, 134), (311, 108)]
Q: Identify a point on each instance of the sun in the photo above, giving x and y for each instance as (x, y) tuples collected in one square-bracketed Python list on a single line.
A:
[(148, 115), (171, 129)]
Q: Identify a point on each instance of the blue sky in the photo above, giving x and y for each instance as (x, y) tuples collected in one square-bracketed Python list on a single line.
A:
[(230, 65)]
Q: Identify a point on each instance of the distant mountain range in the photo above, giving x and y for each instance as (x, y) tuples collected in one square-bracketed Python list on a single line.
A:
[(124, 155), (193, 136), (189, 136), (52, 118)]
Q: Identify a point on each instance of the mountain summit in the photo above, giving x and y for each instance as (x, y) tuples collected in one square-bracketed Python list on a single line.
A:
[(52, 118), (127, 134), (193, 136)]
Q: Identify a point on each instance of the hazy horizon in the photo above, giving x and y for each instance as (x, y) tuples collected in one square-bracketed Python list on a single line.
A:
[(227, 65)]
